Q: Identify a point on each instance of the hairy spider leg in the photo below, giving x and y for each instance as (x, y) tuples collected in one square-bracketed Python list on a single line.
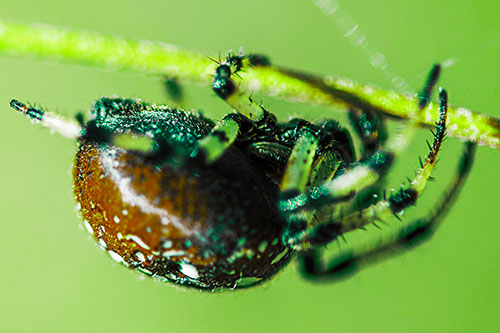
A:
[(370, 128), (219, 138), (425, 94), (64, 127), (413, 234), (344, 187), (73, 130), (174, 90), (300, 163), (226, 131), (224, 86), (305, 168), (368, 124), (393, 205), (325, 167), (363, 174), (371, 131)]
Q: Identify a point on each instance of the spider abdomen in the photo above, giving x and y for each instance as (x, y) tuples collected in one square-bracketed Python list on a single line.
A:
[(211, 227)]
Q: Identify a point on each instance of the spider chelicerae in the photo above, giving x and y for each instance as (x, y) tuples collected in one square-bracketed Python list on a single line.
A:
[(226, 205)]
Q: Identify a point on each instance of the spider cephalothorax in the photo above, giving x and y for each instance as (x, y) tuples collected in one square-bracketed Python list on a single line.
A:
[(227, 205)]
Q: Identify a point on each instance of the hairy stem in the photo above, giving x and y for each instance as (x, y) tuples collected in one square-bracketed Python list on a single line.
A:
[(168, 60)]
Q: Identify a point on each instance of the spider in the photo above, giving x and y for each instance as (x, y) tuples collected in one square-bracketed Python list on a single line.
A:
[(227, 205)]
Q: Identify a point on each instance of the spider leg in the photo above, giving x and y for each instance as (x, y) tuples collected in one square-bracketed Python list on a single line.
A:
[(174, 89), (393, 205), (224, 86), (363, 174), (300, 164), (302, 168), (324, 168), (415, 233), (216, 142), (258, 60), (64, 127), (74, 130), (370, 128), (226, 131)]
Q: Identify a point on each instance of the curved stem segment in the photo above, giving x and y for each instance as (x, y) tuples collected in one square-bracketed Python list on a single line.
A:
[(160, 58)]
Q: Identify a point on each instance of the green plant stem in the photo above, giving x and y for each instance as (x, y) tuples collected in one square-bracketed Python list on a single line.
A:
[(167, 60)]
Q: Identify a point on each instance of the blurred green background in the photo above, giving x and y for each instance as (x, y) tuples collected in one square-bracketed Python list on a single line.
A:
[(55, 280)]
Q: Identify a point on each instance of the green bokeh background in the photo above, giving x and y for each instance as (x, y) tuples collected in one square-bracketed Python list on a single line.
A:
[(55, 280)]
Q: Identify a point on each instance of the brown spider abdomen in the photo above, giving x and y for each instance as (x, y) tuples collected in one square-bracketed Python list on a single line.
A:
[(211, 227)]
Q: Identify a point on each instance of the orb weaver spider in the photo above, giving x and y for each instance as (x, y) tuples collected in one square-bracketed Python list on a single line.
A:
[(227, 205)]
